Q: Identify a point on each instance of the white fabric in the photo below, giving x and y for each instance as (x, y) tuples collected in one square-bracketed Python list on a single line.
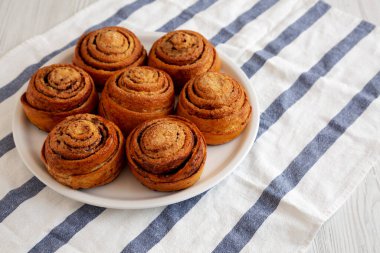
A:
[(301, 212)]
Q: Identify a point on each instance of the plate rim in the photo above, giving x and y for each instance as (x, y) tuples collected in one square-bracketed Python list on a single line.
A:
[(179, 196)]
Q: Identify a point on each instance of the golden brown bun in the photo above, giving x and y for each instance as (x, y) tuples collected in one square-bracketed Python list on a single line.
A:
[(217, 104), (57, 91), (135, 95), (106, 50), (183, 54), (84, 151), (166, 154)]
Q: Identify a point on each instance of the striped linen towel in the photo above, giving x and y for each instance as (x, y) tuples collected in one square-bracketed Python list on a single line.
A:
[(316, 72)]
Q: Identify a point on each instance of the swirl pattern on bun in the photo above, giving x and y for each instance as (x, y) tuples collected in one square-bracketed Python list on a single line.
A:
[(135, 95), (57, 91), (217, 104), (84, 151), (166, 154), (183, 54), (104, 51)]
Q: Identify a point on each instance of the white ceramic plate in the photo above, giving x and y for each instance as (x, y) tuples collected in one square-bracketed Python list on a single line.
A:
[(126, 192)]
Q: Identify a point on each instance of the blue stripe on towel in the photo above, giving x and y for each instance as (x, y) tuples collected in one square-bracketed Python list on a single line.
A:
[(271, 197), (235, 26), (186, 15), (272, 49), (6, 144), (62, 233), (161, 225), (307, 79), (17, 196)]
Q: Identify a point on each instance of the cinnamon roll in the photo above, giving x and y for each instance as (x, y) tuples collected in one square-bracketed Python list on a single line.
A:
[(166, 154), (183, 54), (217, 104), (57, 91), (106, 50), (84, 151), (135, 95)]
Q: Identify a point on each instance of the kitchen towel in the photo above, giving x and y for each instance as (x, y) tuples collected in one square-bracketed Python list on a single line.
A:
[(316, 71)]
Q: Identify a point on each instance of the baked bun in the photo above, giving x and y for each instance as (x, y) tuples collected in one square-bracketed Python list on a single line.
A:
[(166, 154), (104, 51), (183, 54), (57, 91), (217, 104), (84, 151), (135, 95)]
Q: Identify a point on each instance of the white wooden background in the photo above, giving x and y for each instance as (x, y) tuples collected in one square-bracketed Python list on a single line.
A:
[(354, 228)]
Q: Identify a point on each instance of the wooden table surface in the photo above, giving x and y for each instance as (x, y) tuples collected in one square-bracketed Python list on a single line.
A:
[(354, 228)]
